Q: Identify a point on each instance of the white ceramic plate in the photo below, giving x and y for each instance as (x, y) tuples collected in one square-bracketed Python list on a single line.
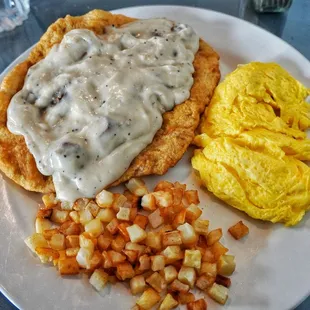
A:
[(272, 263)]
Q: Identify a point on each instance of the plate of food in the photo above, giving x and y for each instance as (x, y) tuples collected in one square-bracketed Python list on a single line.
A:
[(155, 157)]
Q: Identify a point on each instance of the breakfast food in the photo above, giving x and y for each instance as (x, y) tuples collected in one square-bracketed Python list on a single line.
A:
[(39, 109), (161, 247), (239, 230), (254, 144)]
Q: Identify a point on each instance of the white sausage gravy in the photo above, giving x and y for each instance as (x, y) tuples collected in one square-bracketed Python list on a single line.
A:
[(95, 102)]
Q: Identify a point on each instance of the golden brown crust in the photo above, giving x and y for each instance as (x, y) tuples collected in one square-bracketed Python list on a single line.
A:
[(169, 143)]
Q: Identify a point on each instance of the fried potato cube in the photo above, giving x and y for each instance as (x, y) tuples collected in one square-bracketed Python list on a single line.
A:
[(157, 282), (119, 201), (214, 236), (66, 205), (177, 194), (96, 260), (226, 265), (192, 258), (186, 298), (163, 186), (179, 219), (144, 263), (47, 234), (148, 299), (83, 257), (94, 228), (136, 233), (205, 281), (99, 279), (93, 208), (106, 260), (86, 243), (199, 304), (135, 247), (178, 286), (132, 200), (47, 255), (132, 214), (238, 230), (116, 257), (59, 216), (70, 252), (168, 303), (123, 214), (85, 216), (68, 266), (104, 242), (191, 197), (44, 213), (131, 255), (170, 273), (75, 216), (163, 199), (218, 249), (141, 220), (70, 228), (223, 280), (137, 285), (218, 293), (172, 253), (158, 262), (80, 204), (49, 200), (155, 219), (168, 214), (188, 234), (58, 242), (208, 268), (201, 227), (112, 227), (124, 271), (148, 202), (137, 187), (208, 256), (193, 212), (42, 224), (104, 199), (118, 244), (187, 275), (171, 238), (106, 215)]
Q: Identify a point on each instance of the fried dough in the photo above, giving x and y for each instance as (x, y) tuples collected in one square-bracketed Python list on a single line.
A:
[(169, 143)]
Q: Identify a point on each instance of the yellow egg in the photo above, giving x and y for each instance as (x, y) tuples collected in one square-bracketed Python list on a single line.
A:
[(253, 143)]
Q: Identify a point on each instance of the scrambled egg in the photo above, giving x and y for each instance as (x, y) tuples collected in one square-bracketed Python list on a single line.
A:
[(254, 144)]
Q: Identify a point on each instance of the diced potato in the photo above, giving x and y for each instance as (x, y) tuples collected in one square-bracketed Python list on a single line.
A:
[(208, 268), (72, 241), (223, 280), (135, 247), (42, 224), (106, 215), (214, 236), (131, 255), (144, 263), (165, 228), (172, 253), (141, 220), (50, 200), (86, 243), (179, 219), (96, 260), (191, 196), (201, 227), (83, 258), (202, 243), (218, 249), (170, 273), (70, 252), (157, 282), (122, 228), (178, 286), (137, 285), (66, 205), (187, 275), (104, 242), (70, 228), (75, 216), (163, 199), (186, 298), (155, 219), (193, 212), (68, 266), (132, 200), (123, 214), (205, 281), (192, 258), (44, 213), (104, 199), (137, 187), (47, 234), (99, 279), (199, 304), (148, 202), (58, 242), (118, 202), (158, 262), (168, 214), (80, 204), (163, 186), (46, 255), (118, 244), (124, 271), (148, 299), (106, 263), (177, 196), (85, 216), (171, 238), (59, 216), (188, 234), (153, 240), (136, 233), (112, 227), (133, 214), (226, 265), (218, 293), (168, 303), (93, 208), (208, 256), (116, 257), (238, 230)]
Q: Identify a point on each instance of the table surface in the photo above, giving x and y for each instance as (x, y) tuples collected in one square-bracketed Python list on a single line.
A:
[(292, 27)]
